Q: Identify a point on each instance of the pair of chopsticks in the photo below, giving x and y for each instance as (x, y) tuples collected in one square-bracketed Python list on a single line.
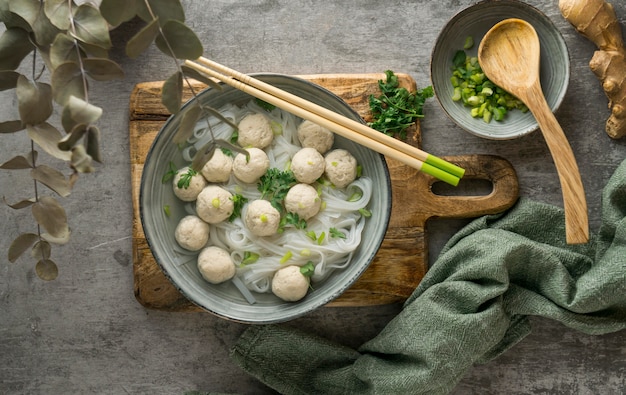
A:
[(343, 126)]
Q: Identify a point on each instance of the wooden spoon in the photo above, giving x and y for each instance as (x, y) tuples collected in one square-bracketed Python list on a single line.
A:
[(509, 56)]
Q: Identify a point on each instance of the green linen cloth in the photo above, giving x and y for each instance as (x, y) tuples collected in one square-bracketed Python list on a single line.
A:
[(473, 303)]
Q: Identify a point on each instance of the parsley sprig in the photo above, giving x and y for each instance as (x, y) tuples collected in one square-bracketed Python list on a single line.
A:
[(185, 178), (238, 202), (275, 184), (396, 109), (170, 174), (292, 219)]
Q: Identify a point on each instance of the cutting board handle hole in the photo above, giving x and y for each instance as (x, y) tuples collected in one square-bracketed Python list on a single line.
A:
[(466, 187)]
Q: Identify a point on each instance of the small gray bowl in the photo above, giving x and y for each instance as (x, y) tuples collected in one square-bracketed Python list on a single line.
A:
[(475, 21), (225, 300)]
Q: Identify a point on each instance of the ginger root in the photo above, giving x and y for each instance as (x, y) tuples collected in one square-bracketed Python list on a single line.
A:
[(596, 20)]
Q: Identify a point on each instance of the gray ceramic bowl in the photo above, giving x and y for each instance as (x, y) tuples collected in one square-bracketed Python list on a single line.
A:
[(224, 299), (475, 21)]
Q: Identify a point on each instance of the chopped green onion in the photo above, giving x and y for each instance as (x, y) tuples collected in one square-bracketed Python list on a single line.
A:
[(249, 258), (308, 269), (365, 212), (321, 238), (471, 87), (286, 257), (469, 42)]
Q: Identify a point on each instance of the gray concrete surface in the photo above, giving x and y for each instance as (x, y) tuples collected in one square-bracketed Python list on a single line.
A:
[(85, 333)]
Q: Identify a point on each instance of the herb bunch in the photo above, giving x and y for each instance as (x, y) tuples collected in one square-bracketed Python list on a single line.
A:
[(396, 109)]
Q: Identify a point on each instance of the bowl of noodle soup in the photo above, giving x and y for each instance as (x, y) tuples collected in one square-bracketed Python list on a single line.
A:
[(359, 211)]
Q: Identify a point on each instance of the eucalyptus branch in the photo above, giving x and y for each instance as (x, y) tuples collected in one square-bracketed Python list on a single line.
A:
[(72, 41)]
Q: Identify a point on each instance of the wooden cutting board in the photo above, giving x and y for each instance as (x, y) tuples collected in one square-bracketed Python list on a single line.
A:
[(402, 259)]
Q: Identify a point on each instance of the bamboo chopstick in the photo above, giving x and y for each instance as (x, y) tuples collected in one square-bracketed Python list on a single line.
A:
[(339, 124)]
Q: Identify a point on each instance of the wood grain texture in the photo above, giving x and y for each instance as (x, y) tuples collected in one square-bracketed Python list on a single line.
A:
[(402, 260), (509, 55)]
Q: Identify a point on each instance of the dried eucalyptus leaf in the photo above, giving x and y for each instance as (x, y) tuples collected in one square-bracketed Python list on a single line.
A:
[(67, 80), (34, 101), (172, 94), (8, 79), (10, 19), (142, 40), (91, 27), (162, 9), (14, 46), (11, 126), (64, 49), (21, 204), (51, 216), (81, 161), (58, 11), (19, 162), (235, 148), (52, 178), (46, 270), (182, 41), (94, 50), (33, 14), (101, 69), (22, 243), (219, 116), (62, 239), (92, 143), (69, 141), (28, 10), (41, 250), (187, 124), (48, 137), (83, 112), (193, 73), (117, 12), (203, 155)]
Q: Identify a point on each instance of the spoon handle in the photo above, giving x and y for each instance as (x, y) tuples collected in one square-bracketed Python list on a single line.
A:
[(574, 200)]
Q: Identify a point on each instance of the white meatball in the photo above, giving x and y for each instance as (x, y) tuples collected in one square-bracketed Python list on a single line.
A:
[(216, 265), (261, 218), (249, 171), (255, 130), (290, 284), (340, 168), (315, 136), (214, 204), (218, 168), (192, 233), (302, 199), (307, 165), (188, 192)]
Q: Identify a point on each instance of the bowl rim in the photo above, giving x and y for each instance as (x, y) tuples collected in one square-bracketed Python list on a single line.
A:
[(540, 15), (342, 287)]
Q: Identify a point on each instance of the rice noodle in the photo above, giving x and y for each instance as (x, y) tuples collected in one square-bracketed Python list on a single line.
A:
[(331, 254)]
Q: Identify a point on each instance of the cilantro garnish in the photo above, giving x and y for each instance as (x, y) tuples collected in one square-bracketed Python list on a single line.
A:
[(291, 219), (308, 269), (275, 184), (264, 105), (396, 109), (238, 202), (334, 232), (171, 173), (185, 178)]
